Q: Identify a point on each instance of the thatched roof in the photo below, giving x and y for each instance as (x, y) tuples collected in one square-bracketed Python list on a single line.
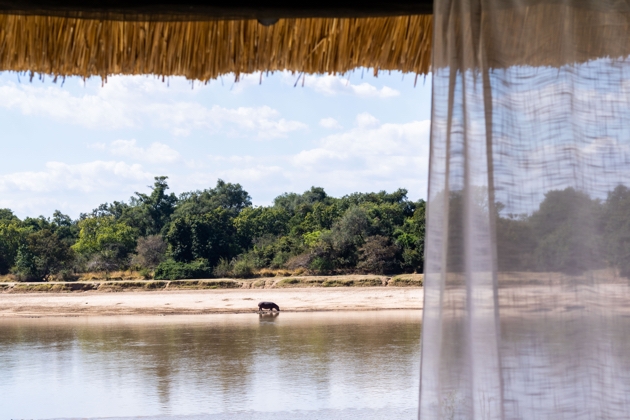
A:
[(202, 39)]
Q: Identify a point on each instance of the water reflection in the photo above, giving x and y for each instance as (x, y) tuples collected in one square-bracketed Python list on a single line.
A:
[(173, 366), (268, 316)]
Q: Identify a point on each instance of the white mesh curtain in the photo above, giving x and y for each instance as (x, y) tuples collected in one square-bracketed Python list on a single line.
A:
[(527, 303)]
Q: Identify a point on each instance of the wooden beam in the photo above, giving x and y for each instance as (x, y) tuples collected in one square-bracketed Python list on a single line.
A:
[(187, 10)]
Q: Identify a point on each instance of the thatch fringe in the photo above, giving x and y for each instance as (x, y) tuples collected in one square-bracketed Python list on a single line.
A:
[(206, 50), (530, 33)]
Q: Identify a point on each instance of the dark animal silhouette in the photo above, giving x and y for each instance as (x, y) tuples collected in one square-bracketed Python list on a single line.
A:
[(268, 305)]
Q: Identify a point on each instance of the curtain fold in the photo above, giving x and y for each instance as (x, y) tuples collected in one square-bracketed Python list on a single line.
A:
[(528, 232)]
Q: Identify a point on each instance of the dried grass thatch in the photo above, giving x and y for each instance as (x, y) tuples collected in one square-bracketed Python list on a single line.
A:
[(541, 33), (204, 50)]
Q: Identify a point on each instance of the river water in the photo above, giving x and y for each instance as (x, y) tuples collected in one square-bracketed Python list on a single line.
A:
[(333, 365)]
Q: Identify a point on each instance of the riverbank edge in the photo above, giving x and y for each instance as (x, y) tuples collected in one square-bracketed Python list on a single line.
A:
[(108, 286), (206, 302)]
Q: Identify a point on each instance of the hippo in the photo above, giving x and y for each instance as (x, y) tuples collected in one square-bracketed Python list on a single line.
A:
[(268, 305)]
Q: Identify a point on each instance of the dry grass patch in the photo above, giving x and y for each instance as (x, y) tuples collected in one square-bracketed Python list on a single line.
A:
[(270, 272), (333, 281), (205, 284), (404, 280), (114, 275), (52, 287), (407, 280)]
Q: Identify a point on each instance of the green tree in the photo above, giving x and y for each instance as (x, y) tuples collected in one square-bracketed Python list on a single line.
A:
[(378, 256), (566, 228), (230, 197), (45, 254), (410, 238), (256, 222), (338, 247), (36, 223), (210, 236), (173, 270), (292, 202), (516, 242), (105, 236), (66, 229), (156, 207), (25, 267), (12, 236), (7, 216)]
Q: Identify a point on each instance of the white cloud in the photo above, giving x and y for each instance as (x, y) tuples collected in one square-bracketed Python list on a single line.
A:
[(131, 102), (155, 153), (365, 154), (82, 177), (94, 111), (330, 123), (371, 143), (334, 85), (264, 122), (366, 120), (71, 188), (367, 157)]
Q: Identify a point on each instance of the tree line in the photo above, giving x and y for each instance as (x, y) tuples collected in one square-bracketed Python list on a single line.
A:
[(569, 233), (217, 232)]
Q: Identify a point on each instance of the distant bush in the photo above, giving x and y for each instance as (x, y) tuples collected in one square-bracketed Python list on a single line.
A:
[(150, 252), (299, 261), (173, 270), (223, 268), (66, 275), (288, 282), (377, 256), (25, 269), (243, 269), (107, 260), (321, 265), (280, 259)]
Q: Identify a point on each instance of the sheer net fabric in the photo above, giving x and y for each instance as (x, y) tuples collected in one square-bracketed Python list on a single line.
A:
[(526, 309)]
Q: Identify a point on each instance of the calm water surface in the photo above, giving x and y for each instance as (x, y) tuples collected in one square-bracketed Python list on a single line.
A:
[(291, 366)]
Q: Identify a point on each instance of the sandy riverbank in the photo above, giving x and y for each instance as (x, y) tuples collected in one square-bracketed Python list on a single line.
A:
[(208, 301)]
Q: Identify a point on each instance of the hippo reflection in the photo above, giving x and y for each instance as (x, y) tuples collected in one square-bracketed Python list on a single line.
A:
[(268, 305), (268, 317)]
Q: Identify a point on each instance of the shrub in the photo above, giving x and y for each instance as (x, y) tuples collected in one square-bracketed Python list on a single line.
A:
[(223, 269), (150, 251), (66, 275), (321, 265), (243, 269), (338, 283), (105, 260), (289, 281), (280, 259), (377, 256), (145, 273), (25, 269), (299, 261), (173, 270)]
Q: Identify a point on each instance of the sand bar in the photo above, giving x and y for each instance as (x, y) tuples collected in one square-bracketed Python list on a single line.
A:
[(208, 301)]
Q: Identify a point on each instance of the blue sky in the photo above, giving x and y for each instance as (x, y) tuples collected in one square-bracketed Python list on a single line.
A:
[(75, 145)]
